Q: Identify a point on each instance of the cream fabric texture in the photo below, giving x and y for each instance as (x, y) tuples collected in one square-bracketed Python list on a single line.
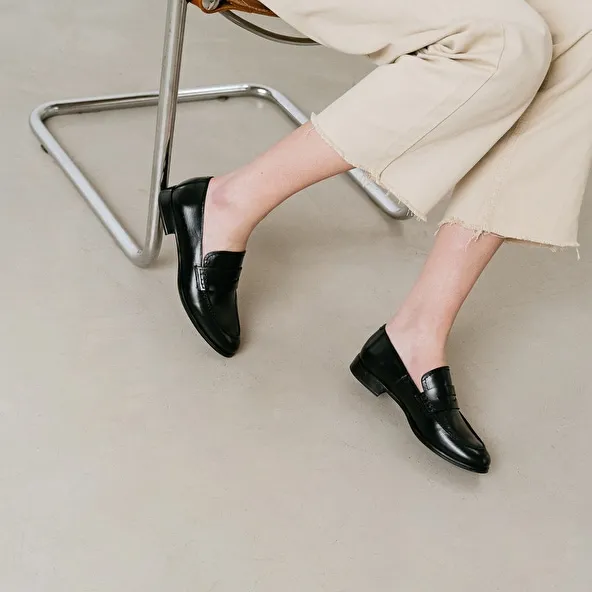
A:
[(490, 97)]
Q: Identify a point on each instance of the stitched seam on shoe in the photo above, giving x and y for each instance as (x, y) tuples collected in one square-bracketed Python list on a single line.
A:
[(425, 402), (210, 307), (203, 275), (430, 406), (444, 423), (226, 270)]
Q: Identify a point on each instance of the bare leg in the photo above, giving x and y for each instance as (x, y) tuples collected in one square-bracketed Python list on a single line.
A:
[(420, 328), (237, 202)]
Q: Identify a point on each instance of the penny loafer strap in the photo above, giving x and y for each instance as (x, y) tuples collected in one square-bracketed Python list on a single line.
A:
[(217, 278), (432, 400), (437, 401)]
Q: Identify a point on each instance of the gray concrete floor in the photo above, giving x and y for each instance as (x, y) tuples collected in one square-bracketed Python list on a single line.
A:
[(133, 458)]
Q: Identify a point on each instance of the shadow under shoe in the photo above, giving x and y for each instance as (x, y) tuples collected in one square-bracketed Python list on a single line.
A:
[(207, 285), (433, 414)]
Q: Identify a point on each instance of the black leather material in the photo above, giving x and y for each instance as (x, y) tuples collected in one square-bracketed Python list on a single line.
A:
[(433, 414), (207, 286)]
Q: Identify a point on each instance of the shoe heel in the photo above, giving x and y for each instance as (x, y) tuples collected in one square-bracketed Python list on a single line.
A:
[(165, 203), (366, 378)]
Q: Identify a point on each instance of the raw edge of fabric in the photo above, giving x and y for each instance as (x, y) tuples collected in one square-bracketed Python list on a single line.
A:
[(484, 229), (371, 174)]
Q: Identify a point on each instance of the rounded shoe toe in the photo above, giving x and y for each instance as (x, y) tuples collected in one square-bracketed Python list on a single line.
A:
[(477, 459), (224, 344), (470, 455)]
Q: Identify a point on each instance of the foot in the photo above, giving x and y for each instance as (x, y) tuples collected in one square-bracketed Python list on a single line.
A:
[(432, 410), (207, 279), (224, 226), (419, 349)]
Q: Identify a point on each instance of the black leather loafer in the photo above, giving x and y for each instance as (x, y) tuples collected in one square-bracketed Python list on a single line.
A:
[(433, 414), (207, 285)]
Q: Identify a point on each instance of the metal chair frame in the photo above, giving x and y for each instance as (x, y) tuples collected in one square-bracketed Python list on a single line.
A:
[(167, 99)]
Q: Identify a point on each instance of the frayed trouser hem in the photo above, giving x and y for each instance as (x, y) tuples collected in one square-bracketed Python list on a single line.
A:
[(372, 175), (510, 237), (477, 229)]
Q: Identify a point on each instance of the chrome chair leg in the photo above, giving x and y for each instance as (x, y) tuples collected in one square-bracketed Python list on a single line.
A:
[(167, 99)]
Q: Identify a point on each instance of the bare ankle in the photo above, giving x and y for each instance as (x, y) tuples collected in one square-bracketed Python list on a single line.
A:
[(226, 227), (218, 195), (420, 347)]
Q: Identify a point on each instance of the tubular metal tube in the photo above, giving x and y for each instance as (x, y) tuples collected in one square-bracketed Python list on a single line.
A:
[(167, 99)]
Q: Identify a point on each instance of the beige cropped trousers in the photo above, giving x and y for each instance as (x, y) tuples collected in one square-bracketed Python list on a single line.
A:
[(491, 98)]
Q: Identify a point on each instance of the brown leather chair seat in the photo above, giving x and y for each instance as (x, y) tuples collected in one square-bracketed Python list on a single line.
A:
[(252, 6)]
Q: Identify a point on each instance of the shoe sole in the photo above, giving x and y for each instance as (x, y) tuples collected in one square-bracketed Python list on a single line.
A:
[(165, 205), (373, 384)]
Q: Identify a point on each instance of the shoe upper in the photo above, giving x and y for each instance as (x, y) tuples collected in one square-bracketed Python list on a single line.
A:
[(207, 286), (433, 412), (217, 281)]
